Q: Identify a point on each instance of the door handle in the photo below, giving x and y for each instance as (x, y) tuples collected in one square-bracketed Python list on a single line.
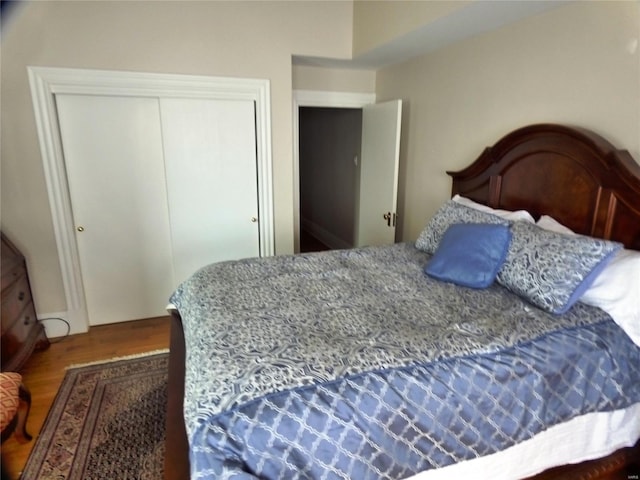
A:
[(390, 218)]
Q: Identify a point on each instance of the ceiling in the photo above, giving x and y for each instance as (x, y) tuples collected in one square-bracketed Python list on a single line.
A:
[(478, 17)]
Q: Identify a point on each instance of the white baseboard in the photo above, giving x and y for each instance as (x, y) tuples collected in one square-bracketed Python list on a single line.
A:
[(59, 324), (325, 236)]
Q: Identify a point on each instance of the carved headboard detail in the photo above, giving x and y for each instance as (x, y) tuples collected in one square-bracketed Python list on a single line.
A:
[(572, 174)]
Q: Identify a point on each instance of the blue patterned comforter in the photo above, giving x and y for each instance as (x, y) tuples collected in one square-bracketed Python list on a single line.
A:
[(354, 364)]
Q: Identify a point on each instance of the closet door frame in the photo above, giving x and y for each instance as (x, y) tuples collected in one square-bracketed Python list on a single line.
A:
[(46, 82)]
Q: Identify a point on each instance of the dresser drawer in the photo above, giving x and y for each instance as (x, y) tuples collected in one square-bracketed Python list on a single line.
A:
[(15, 336), (21, 331), (14, 300), (11, 270)]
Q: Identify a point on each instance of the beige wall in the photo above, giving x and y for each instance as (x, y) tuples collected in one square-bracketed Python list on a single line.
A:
[(575, 65), (333, 79), (241, 39), (376, 23)]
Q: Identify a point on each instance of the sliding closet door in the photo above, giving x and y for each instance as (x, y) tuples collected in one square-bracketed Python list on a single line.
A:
[(114, 161), (211, 174)]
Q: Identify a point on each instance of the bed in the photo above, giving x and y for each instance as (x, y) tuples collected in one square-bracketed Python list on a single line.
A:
[(352, 379)]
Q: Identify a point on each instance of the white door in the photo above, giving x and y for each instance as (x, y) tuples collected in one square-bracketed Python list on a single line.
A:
[(210, 158), (380, 155), (114, 161)]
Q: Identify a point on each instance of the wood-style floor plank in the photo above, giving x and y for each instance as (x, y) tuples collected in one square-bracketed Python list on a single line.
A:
[(45, 370)]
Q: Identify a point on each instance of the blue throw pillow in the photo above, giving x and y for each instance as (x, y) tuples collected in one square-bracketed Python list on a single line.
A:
[(552, 270), (470, 254)]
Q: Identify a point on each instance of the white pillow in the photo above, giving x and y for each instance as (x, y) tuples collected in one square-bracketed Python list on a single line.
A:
[(617, 289), (512, 216), (551, 224)]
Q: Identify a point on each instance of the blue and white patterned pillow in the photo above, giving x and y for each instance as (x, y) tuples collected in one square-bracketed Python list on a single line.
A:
[(552, 270), (449, 214)]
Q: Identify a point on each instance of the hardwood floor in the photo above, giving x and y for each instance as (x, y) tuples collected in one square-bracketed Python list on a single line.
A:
[(45, 370)]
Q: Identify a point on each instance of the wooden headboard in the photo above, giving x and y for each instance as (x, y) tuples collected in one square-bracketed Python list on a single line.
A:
[(572, 174)]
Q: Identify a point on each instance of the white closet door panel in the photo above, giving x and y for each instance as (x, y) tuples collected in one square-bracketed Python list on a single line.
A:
[(114, 161), (211, 171)]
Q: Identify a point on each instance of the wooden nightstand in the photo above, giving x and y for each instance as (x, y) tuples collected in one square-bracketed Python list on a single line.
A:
[(21, 331)]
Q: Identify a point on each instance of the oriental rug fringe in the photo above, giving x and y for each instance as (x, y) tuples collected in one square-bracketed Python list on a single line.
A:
[(107, 422)]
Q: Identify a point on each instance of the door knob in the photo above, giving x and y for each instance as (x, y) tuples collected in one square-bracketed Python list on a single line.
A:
[(390, 218), (81, 228), (254, 219)]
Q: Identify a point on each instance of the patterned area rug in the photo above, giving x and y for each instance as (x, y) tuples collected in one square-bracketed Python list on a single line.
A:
[(107, 422)]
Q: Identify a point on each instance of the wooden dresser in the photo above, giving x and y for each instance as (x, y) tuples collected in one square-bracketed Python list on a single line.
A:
[(21, 332)]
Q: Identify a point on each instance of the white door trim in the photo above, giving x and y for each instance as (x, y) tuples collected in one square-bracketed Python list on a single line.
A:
[(316, 98), (46, 82)]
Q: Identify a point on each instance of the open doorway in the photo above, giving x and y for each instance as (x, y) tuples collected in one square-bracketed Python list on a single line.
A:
[(375, 168), (329, 176)]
